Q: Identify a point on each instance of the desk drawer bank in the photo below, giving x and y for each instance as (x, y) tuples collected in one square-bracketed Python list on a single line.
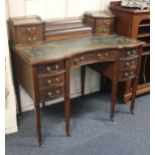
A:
[(43, 69)]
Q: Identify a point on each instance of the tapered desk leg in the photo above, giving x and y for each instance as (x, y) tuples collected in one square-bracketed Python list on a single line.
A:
[(134, 89), (113, 100), (83, 72), (135, 81), (67, 97), (38, 122), (18, 98)]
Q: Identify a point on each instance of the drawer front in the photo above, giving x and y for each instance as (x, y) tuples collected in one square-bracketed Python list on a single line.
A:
[(44, 70), (128, 64), (103, 30), (126, 74), (29, 30), (97, 56), (52, 81), (29, 39), (50, 94), (129, 53), (104, 22)]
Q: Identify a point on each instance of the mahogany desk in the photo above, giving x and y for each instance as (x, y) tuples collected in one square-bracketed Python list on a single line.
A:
[(43, 69)]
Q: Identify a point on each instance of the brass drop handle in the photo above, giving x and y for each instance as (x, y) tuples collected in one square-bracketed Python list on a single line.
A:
[(49, 81), (57, 79), (134, 52), (34, 38), (57, 67), (29, 39), (106, 54), (131, 72), (48, 68), (126, 74), (50, 94), (82, 58), (31, 29), (128, 53), (128, 64), (57, 92), (99, 55)]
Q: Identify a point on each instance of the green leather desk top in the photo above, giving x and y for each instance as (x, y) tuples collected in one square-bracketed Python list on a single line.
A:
[(52, 51)]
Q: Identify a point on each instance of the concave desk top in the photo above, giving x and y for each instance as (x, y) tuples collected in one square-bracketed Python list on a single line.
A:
[(52, 51)]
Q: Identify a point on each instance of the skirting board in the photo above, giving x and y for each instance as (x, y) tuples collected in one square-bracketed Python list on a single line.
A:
[(10, 130)]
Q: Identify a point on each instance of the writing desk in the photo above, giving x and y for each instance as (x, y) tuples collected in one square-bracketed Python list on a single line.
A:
[(43, 69)]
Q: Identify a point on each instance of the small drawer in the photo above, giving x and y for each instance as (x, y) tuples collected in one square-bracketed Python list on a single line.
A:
[(53, 68), (50, 94), (29, 39), (129, 53), (81, 59), (128, 64), (52, 81), (101, 22), (103, 30), (126, 74), (29, 30), (106, 55)]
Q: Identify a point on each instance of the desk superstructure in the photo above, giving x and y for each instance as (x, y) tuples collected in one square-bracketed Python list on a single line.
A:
[(43, 67)]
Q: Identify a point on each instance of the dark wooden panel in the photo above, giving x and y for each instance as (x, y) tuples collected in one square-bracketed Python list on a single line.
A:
[(24, 74)]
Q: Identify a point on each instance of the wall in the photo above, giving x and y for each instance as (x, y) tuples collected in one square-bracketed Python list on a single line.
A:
[(53, 9)]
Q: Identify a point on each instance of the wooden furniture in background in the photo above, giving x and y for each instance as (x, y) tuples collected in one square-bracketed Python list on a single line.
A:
[(134, 23), (102, 22)]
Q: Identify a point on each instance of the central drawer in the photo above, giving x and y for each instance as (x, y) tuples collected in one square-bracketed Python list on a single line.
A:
[(93, 57)]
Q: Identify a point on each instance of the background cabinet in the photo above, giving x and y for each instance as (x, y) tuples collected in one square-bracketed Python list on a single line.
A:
[(134, 23)]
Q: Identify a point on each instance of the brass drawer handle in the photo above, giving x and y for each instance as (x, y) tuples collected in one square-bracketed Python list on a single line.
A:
[(131, 73), (57, 67), (56, 80), (134, 52), (31, 29), (128, 53), (99, 55), (49, 81), (82, 58), (57, 92), (34, 38), (48, 68), (50, 94), (106, 54), (126, 74), (30, 39), (127, 64)]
